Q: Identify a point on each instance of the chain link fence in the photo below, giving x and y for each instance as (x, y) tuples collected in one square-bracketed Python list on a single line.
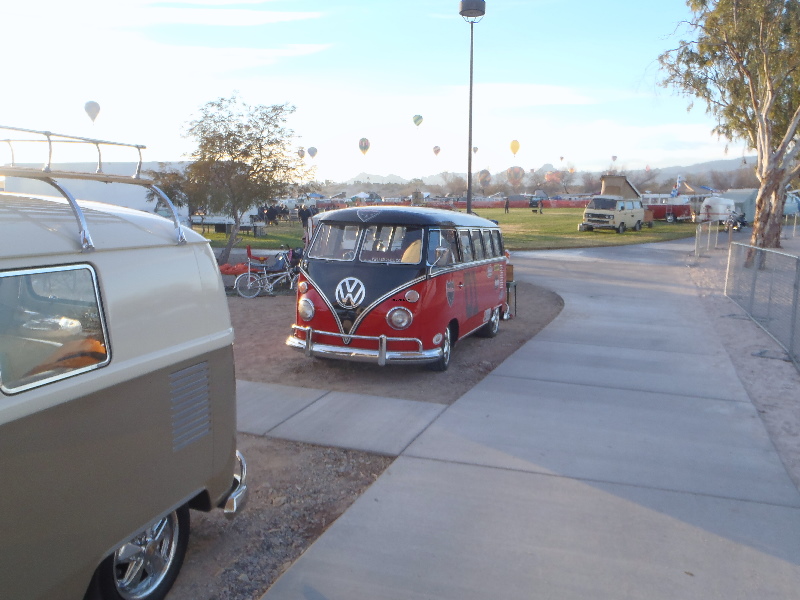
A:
[(766, 284), (707, 237)]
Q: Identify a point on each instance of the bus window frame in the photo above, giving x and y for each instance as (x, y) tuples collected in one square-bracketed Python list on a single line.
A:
[(476, 236), (464, 257), (488, 243)]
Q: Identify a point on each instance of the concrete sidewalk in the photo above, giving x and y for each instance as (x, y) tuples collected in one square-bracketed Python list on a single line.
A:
[(615, 455)]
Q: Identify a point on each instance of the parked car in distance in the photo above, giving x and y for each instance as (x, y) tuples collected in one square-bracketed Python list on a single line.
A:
[(612, 212)]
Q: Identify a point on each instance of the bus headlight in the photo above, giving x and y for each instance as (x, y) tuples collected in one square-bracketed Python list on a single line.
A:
[(305, 309), (399, 318)]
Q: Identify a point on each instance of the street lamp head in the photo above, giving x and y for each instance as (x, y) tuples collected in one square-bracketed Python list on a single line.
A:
[(472, 10)]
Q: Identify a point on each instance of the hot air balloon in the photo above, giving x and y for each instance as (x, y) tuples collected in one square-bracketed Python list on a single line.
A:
[(515, 175), (92, 109), (614, 158), (515, 147), (484, 178), (363, 145), (301, 153), (552, 177), (474, 149), (417, 120), (562, 158), (312, 152), (436, 150)]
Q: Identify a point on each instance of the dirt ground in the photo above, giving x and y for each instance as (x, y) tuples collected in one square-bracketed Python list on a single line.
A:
[(263, 324), (297, 490)]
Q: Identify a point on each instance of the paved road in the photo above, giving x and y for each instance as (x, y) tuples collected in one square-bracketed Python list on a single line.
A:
[(615, 455)]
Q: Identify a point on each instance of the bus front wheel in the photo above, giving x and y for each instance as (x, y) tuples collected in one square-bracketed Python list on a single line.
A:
[(443, 361)]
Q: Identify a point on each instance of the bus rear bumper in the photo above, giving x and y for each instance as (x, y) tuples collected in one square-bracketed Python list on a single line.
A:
[(237, 497), (380, 356)]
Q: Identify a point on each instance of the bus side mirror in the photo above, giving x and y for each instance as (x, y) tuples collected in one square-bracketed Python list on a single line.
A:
[(441, 254)]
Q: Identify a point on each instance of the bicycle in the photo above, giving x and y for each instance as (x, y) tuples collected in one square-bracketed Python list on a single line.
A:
[(275, 271)]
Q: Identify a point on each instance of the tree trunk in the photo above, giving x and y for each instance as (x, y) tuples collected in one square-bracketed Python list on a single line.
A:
[(769, 212), (233, 239)]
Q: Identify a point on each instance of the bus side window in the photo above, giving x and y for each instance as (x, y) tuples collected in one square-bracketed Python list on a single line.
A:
[(477, 245), (487, 243), (445, 238), (466, 245), (55, 327), (498, 242)]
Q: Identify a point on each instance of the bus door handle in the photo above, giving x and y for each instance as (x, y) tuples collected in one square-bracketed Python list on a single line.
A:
[(460, 284)]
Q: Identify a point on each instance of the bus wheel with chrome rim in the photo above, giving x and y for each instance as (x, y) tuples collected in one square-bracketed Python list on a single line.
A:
[(146, 566), (443, 361), (492, 326)]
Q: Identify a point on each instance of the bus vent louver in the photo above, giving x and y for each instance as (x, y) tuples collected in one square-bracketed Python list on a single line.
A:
[(189, 397)]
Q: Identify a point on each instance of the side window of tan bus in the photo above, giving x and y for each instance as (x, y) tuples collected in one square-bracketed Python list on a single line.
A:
[(465, 240), (477, 245), (51, 326)]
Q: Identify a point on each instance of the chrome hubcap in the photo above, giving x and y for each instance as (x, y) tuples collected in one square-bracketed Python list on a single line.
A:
[(141, 564)]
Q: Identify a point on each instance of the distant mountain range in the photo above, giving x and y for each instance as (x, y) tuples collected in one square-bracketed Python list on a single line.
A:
[(666, 173)]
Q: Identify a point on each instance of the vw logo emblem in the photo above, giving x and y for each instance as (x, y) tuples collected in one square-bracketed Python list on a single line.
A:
[(350, 292)]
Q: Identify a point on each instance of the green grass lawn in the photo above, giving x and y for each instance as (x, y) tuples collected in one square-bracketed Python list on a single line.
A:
[(522, 230), (270, 238), (558, 228)]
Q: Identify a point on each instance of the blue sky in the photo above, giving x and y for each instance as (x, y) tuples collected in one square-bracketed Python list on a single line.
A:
[(575, 79)]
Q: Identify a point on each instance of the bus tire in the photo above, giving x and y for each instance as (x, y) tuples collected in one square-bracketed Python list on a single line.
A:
[(492, 326), (638, 226), (621, 228), (167, 540), (443, 361)]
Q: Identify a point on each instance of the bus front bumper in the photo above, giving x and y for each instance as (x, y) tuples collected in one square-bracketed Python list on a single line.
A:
[(380, 356)]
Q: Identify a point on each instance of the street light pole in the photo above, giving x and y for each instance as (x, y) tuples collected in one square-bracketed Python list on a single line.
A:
[(472, 11)]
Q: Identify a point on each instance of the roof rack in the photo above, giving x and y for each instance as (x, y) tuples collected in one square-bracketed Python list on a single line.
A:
[(48, 175)]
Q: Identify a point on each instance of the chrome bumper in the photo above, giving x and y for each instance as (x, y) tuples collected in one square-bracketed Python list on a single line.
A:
[(381, 356), (237, 497)]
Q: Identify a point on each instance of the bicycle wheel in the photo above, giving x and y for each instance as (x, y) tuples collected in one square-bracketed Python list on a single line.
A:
[(247, 285)]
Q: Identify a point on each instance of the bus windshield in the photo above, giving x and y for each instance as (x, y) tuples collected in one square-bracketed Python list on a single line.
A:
[(602, 204), (392, 244), (335, 242)]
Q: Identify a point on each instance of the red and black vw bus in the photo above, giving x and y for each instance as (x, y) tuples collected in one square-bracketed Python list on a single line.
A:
[(398, 284)]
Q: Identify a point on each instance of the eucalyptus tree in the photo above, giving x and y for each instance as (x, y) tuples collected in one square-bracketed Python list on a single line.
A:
[(742, 60), (244, 158)]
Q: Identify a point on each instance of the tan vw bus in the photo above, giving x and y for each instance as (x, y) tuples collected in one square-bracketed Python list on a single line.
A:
[(117, 390)]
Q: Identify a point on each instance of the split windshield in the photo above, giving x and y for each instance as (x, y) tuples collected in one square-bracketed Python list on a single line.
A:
[(373, 244)]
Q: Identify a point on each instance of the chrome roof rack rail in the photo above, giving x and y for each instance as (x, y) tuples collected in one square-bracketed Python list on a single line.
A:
[(49, 176)]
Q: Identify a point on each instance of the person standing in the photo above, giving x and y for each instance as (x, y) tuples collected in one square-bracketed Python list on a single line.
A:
[(272, 215), (304, 214), (506, 204)]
